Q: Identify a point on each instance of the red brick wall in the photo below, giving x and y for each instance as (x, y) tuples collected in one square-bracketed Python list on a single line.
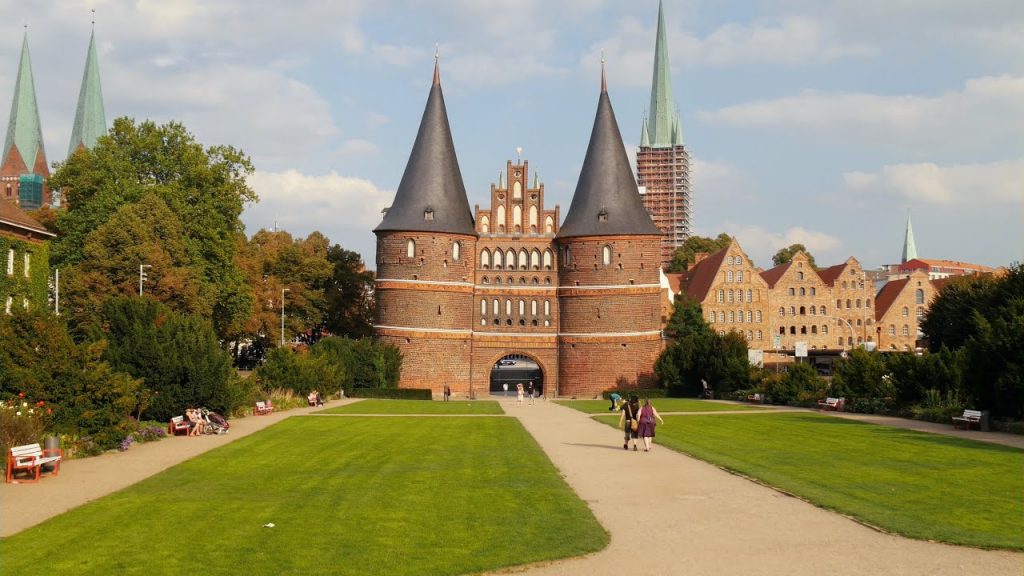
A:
[(432, 360), (589, 366)]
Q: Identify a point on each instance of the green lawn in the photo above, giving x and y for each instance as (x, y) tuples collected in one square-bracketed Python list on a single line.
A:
[(379, 406), (920, 485), (346, 496), (662, 404)]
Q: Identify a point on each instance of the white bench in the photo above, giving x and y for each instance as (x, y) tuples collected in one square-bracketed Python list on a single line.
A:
[(178, 424), (264, 408), (31, 457), (834, 404), (969, 417)]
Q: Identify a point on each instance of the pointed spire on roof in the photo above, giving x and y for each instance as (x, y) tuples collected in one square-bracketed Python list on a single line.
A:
[(90, 118), (909, 249), (501, 179), (645, 139), (663, 120), (431, 196), (606, 200), (437, 66), (536, 180), (24, 133), (604, 81)]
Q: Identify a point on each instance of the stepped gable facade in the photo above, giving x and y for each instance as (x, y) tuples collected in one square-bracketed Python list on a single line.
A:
[(732, 294), (853, 293), (900, 308), (457, 292)]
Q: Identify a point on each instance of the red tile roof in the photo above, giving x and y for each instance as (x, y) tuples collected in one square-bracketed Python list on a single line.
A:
[(674, 282), (830, 274), (773, 275), (14, 216), (701, 276), (887, 295)]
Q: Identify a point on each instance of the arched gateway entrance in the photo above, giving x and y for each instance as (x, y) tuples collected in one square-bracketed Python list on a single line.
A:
[(512, 369)]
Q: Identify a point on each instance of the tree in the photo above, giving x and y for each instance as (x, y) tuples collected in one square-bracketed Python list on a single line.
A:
[(177, 355), (686, 254), (785, 255), (204, 187), (349, 294), (87, 396), (697, 353)]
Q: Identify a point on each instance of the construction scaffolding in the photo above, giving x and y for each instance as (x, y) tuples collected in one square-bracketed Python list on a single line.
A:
[(664, 175)]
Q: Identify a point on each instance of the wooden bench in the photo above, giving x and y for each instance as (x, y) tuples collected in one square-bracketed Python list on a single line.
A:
[(834, 404), (755, 398), (969, 417), (31, 457), (263, 408), (178, 425)]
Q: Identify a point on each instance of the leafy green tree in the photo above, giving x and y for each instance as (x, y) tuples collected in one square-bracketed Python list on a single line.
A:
[(86, 395), (785, 255), (685, 255), (349, 294), (862, 375), (367, 364), (177, 355), (697, 353), (204, 187), (799, 386), (299, 372)]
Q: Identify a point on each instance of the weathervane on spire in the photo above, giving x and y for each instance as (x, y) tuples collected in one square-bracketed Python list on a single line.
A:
[(604, 83), (519, 151), (93, 17)]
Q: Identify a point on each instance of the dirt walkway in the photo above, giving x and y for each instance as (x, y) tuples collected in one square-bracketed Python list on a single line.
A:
[(25, 505), (671, 514)]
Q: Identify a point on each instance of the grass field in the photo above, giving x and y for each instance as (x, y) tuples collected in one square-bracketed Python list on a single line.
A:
[(920, 485), (379, 406), (345, 495), (662, 404)]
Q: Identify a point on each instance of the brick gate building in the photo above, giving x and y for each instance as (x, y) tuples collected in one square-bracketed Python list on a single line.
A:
[(458, 291)]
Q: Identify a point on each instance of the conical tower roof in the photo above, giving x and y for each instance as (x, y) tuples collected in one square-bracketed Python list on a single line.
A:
[(909, 249), (431, 196), (606, 201), (663, 121), (23, 129), (90, 119)]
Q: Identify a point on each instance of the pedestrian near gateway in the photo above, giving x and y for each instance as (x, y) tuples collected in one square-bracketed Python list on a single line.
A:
[(646, 427)]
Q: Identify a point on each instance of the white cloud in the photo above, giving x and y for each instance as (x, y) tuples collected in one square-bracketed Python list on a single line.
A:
[(985, 114), (963, 184), (344, 209), (761, 244), (790, 41), (357, 147)]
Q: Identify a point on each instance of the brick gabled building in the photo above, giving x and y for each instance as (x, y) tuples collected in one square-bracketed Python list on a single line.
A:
[(24, 255), (900, 308), (853, 293), (732, 294), (579, 301), (800, 306)]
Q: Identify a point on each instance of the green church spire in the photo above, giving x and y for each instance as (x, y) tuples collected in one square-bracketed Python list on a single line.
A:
[(645, 139), (661, 125), (909, 249), (23, 129), (90, 119)]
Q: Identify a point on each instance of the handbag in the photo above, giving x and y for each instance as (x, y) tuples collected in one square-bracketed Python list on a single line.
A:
[(635, 425)]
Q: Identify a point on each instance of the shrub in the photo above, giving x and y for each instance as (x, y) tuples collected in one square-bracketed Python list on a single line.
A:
[(799, 386), (20, 423), (299, 372), (393, 393), (365, 363), (642, 393)]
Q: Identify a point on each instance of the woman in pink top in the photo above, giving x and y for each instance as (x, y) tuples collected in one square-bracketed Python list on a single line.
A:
[(647, 416)]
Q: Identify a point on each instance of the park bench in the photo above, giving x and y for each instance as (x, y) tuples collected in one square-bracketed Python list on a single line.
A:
[(969, 417), (31, 457), (755, 398), (178, 425), (263, 408), (834, 404)]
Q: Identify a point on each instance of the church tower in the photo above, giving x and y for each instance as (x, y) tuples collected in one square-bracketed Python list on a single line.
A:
[(609, 294), (425, 255), (23, 166), (90, 119), (662, 162), (909, 248)]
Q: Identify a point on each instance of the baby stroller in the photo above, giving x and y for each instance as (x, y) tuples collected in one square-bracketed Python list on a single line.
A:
[(213, 423)]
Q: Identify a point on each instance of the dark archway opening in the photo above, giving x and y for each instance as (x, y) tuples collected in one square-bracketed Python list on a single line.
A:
[(512, 369)]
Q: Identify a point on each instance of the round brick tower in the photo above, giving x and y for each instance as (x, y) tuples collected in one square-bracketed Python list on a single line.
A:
[(608, 293), (425, 256)]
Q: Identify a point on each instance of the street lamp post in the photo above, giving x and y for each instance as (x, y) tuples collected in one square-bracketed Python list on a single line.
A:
[(283, 290), (142, 275)]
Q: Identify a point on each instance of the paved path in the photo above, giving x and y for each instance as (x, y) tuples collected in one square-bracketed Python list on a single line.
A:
[(667, 513), (671, 514)]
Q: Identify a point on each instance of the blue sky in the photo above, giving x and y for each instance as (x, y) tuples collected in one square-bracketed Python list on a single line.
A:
[(813, 122)]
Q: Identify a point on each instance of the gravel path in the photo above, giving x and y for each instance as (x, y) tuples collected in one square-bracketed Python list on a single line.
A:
[(671, 514), (667, 513)]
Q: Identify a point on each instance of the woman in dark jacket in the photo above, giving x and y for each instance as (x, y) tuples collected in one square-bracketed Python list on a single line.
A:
[(630, 413)]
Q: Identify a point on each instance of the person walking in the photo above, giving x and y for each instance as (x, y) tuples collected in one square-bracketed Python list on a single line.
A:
[(519, 393), (646, 428), (530, 391), (447, 392), (628, 422)]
